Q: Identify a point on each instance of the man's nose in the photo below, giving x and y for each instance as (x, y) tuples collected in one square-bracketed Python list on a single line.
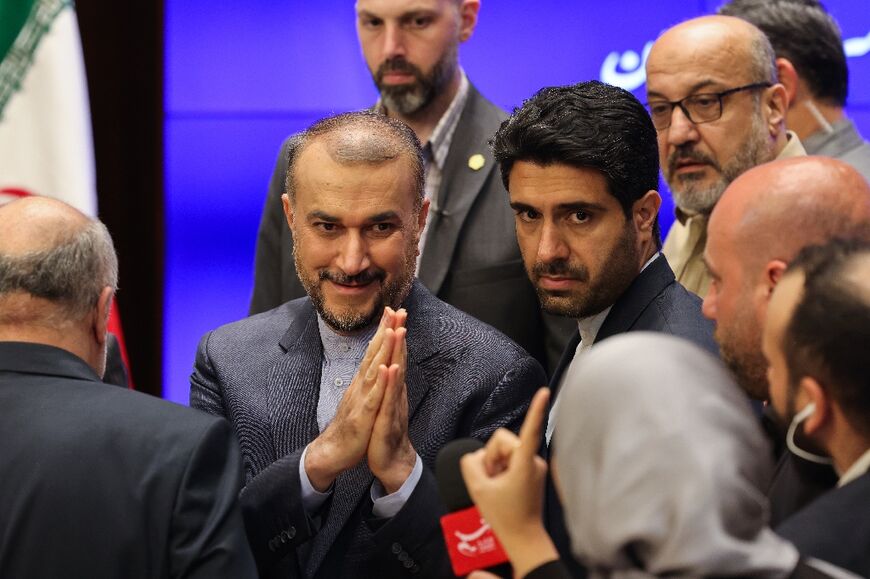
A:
[(552, 246), (682, 129), (394, 41), (354, 257)]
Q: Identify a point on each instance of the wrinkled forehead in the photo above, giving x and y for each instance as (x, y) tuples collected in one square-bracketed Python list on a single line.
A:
[(682, 62), (396, 8)]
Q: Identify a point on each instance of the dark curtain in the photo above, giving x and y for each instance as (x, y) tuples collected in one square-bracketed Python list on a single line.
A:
[(123, 50)]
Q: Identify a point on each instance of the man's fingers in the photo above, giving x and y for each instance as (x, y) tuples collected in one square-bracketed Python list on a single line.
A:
[(533, 426), (399, 318), (375, 343), (375, 395), (382, 356), (400, 352)]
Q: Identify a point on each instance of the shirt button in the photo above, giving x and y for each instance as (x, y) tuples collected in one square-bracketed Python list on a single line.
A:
[(339, 382), (345, 348), (397, 548)]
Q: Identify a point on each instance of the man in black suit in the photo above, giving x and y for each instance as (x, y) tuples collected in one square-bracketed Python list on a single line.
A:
[(815, 340), (764, 218), (469, 255), (97, 481), (339, 421), (581, 165)]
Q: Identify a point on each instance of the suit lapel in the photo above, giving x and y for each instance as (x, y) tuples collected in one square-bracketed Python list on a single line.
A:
[(294, 383), (420, 347), (640, 294), (460, 187)]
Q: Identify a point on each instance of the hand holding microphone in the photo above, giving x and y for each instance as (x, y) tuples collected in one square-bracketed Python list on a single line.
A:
[(506, 481)]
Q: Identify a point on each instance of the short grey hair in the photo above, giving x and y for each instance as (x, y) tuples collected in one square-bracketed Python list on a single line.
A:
[(72, 274), (762, 59), (381, 139)]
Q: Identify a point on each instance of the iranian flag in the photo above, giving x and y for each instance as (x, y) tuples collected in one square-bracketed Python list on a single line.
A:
[(46, 146), (45, 126)]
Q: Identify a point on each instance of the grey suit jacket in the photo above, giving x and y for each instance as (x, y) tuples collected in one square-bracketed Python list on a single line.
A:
[(102, 482), (654, 302), (263, 374), (471, 258)]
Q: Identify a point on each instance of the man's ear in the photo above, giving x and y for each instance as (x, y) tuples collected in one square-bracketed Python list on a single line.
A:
[(812, 392), (775, 104), (288, 210), (773, 272), (788, 78), (468, 11), (645, 210), (101, 321), (421, 220)]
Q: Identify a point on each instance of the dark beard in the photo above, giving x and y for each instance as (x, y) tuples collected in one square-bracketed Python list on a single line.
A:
[(409, 99), (602, 293), (392, 293)]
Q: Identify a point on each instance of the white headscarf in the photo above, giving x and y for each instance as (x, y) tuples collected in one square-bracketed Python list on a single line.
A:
[(660, 460)]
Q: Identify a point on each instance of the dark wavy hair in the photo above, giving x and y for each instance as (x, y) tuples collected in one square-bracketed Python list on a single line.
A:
[(589, 125), (829, 330)]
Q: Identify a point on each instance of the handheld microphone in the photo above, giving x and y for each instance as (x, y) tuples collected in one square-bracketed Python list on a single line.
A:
[(471, 543)]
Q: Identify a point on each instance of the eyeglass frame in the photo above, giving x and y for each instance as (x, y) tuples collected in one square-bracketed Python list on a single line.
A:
[(719, 96)]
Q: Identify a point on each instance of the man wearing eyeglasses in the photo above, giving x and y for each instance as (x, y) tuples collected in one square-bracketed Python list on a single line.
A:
[(719, 110)]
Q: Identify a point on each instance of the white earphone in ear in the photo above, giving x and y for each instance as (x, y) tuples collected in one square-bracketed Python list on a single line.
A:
[(792, 445)]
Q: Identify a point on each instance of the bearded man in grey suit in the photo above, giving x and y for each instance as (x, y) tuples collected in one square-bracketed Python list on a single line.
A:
[(469, 252), (340, 438)]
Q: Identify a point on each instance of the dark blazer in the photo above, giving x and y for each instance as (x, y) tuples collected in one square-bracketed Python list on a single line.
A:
[(263, 374), (99, 481), (835, 527), (471, 258), (654, 302)]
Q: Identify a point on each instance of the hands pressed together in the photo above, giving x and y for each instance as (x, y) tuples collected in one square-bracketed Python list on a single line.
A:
[(505, 479), (372, 418)]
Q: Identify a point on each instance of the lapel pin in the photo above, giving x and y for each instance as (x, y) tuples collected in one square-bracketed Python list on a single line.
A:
[(476, 162)]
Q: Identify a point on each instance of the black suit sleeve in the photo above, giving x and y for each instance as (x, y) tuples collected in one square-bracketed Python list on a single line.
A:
[(208, 538), (267, 259), (275, 518)]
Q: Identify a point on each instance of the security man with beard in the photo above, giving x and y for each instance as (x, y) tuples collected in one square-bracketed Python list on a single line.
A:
[(469, 254)]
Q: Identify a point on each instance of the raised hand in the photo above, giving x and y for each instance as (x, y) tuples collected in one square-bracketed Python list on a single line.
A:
[(505, 479), (391, 456), (344, 442)]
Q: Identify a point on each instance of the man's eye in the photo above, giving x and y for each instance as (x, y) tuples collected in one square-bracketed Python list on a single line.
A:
[(704, 101), (325, 227), (580, 217), (528, 215), (660, 109), (382, 228), (420, 22), (371, 22)]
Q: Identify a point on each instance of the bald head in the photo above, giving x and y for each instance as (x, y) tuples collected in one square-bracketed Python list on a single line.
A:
[(362, 137), (774, 210), (715, 41), (53, 261), (732, 109)]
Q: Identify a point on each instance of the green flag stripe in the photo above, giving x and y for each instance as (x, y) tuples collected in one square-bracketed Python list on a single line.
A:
[(19, 54), (13, 15)]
